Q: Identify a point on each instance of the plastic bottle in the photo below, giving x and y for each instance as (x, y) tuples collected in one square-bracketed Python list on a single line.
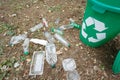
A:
[(73, 75), (49, 37), (45, 22), (26, 46), (36, 27), (62, 40), (69, 64), (75, 25), (57, 30), (65, 27), (17, 39), (39, 41), (37, 64), (51, 56)]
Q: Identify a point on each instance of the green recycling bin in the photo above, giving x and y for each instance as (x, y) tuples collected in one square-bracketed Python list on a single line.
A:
[(101, 22), (116, 64)]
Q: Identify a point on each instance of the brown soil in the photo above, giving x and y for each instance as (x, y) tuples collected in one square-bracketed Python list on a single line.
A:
[(21, 15)]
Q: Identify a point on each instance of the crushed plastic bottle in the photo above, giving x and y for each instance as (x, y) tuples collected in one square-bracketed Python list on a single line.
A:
[(51, 56), (62, 40), (73, 75), (65, 27), (49, 37), (26, 46), (45, 22), (39, 41), (37, 64), (69, 64), (36, 27), (57, 30), (17, 39)]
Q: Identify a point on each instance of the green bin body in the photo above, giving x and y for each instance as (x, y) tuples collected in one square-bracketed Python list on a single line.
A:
[(101, 22)]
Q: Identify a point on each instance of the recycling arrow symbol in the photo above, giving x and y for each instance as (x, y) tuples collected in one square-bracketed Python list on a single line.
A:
[(98, 26)]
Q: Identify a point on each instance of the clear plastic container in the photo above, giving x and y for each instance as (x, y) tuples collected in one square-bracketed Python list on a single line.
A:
[(51, 56), (37, 64), (62, 40), (69, 64), (26, 46), (73, 75)]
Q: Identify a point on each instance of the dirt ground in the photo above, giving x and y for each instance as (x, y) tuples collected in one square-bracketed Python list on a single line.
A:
[(18, 16)]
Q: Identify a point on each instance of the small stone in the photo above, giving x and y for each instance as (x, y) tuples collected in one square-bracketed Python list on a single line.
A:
[(2, 16), (94, 61), (13, 15), (96, 68), (81, 47), (77, 45), (28, 60), (105, 74), (102, 78), (59, 52), (49, 11), (65, 49), (35, 1), (37, 7), (27, 6), (16, 64)]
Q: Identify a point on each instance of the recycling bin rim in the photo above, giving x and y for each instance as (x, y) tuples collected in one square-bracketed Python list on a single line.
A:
[(105, 6)]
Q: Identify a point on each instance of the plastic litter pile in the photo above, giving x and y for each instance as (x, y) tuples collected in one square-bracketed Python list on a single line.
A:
[(37, 64)]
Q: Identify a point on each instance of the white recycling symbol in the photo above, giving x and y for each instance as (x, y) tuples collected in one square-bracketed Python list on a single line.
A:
[(99, 26)]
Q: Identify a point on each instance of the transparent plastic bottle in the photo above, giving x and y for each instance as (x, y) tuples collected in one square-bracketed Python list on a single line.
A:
[(57, 30), (36, 27), (75, 25), (69, 64), (26, 46), (62, 40), (49, 37), (73, 75), (17, 39), (65, 27), (45, 22), (51, 56)]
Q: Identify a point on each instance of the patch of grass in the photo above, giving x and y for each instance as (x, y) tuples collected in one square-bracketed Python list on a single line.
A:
[(2, 75), (9, 29), (8, 62), (22, 58), (1, 50), (102, 67)]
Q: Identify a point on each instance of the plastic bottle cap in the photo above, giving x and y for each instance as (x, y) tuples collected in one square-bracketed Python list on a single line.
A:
[(52, 29), (69, 45), (53, 66), (26, 53)]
